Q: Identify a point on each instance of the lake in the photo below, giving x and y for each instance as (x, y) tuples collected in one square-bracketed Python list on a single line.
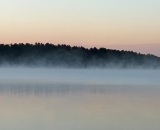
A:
[(79, 99)]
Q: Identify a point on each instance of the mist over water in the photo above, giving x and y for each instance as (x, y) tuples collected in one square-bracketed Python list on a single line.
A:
[(81, 76), (79, 99)]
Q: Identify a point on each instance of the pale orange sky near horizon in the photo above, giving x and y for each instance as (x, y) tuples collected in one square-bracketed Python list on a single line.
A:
[(104, 23)]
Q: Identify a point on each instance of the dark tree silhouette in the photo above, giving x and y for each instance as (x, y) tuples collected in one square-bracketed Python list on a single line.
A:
[(50, 55)]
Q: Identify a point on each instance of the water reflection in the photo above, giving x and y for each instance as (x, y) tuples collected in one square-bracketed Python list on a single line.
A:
[(59, 106), (36, 88)]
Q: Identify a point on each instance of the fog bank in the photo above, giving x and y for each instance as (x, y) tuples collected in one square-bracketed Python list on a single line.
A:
[(85, 76)]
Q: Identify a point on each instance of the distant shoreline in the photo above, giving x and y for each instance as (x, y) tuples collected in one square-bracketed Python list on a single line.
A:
[(65, 56)]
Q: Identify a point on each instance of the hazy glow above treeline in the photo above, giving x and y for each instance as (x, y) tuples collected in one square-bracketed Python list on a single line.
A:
[(87, 22)]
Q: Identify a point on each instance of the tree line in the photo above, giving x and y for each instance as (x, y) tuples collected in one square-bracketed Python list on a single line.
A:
[(50, 55)]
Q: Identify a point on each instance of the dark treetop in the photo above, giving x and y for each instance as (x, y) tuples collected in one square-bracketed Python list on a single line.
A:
[(50, 55)]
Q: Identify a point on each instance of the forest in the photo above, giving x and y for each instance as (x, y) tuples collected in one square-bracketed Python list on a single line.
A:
[(65, 56)]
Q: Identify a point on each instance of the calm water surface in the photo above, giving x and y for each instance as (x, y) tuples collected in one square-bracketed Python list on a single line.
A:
[(49, 99)]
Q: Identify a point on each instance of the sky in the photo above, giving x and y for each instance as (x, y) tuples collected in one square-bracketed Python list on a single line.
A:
[(117, 24)]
